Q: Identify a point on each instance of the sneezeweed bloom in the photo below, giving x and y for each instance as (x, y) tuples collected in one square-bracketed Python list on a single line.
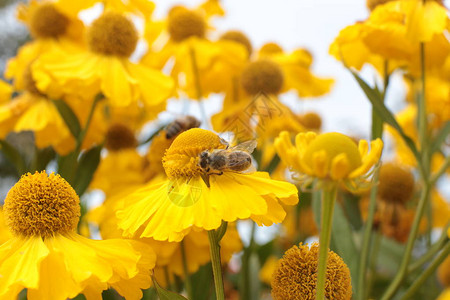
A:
[(105, 67), (200, 65), (4, 232), (296, 67), (296, 275), (198, 203), (122, 166), (329, 157), (31, 110), (51, 26), (48, 258)]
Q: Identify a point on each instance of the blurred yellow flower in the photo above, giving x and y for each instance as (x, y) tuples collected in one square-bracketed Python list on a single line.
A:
[(4, 232), (329, 157), (105, 68), (169, 210), (296, 67), (48, 258)]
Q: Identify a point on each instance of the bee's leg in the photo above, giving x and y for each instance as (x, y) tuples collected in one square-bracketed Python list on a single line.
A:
[(220, 173)]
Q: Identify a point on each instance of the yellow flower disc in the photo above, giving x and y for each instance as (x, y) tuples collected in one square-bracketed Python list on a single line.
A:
[(41, 205), (238, 37), (47, 22), (182, 158), (184, 23), (119, 137), (271, 48), (396, 183), (311, 121), (113, 34), (333, 144), (295, 277), (262, 76)]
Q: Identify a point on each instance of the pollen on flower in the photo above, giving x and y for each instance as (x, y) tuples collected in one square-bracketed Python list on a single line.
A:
[(113, 34), (396, 183), (184, 23), (262, 76), (182, 158), (239, 37), (41, 205), (295, 277), (119, 137), (47, 22)]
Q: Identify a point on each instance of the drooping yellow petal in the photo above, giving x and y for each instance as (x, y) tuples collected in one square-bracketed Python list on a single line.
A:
[(20, 261)]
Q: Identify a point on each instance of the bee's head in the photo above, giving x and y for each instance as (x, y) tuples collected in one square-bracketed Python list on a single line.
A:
[(204, 159)]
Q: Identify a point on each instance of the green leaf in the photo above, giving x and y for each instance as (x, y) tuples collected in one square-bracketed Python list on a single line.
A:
[(13, 155), (352, 210), (69, 117), (164, 294), (87, 166), (342, 237), (202, 283), (441, 137), (390, 255), (67, 167), (375, 97)]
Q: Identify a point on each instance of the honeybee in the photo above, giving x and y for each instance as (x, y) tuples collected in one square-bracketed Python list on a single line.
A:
[(181, 124), (236, 159)]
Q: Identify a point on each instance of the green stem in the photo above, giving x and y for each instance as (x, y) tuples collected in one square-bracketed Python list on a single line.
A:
[(441, 171), (187, 278), (435, 248), (363, 259), (216, 264), (83, 132), (402, 272), (328, 200), (427, 273)]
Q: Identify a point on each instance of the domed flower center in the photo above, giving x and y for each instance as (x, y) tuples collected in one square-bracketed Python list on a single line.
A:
[(184, 23), (41, 205), (119, 137), (296, 274), (182, 157), (113, 34), (333, 144), (47, 22), (270, 48), (396, 184), (311, 121), (238, 37), (262, 76)]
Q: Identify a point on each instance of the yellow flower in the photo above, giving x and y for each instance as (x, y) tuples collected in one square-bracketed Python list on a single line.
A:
[(169, 210), (329, 157), (296, 67), (443, 272), (48, 258), (52, 27), (169, 255), (105, 68), (407, 120), (296, 275), (4, 232), (200, 66), (445, 295)]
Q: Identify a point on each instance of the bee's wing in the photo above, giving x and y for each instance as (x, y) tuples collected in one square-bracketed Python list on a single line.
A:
[(184, 193), (247, 146)]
